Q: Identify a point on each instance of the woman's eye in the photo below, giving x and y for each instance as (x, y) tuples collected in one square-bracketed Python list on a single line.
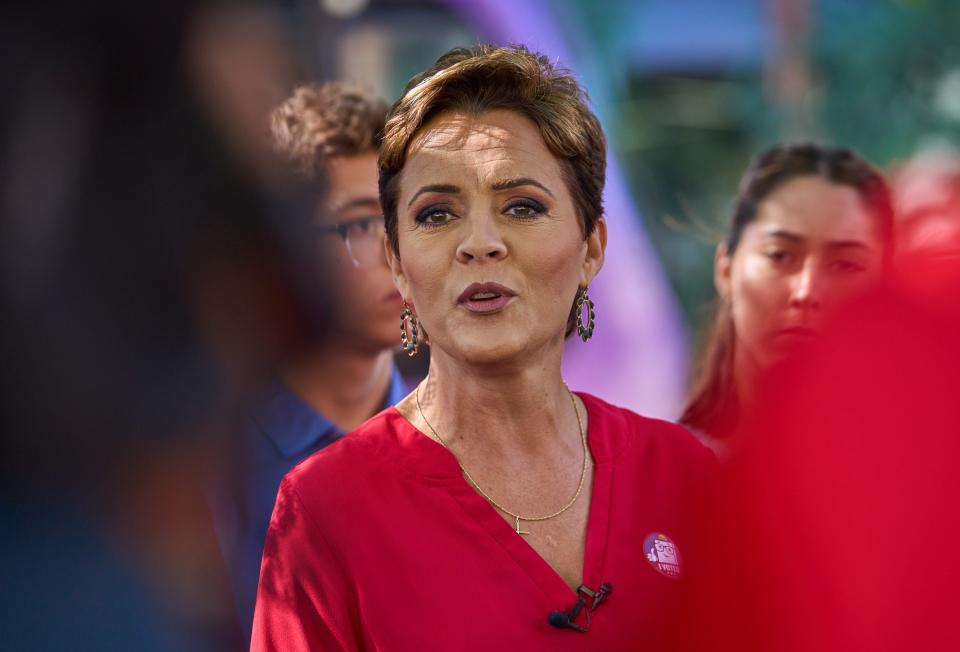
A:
[(847, 266), (525, 209), (434, 216), (778, 256)]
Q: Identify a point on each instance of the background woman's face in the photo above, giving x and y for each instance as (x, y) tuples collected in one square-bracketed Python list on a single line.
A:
[(491, 248), (812, 246)]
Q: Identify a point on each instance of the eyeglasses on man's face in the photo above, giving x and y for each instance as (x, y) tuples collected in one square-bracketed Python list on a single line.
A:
[(362, 237)]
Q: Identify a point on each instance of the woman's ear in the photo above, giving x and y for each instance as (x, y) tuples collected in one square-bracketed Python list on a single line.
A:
[(722, 269), (396, 269), (596, 248)]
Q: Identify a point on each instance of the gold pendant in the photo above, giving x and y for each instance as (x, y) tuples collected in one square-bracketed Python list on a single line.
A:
[(519, 531)]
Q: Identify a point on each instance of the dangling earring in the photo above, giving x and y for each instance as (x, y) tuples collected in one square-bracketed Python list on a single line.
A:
[(409, 344), (585, 333)]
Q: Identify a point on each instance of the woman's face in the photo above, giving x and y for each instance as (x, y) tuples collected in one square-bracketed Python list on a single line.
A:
[(491, 248), (812, 246)]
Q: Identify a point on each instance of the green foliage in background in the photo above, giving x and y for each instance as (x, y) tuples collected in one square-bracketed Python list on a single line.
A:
[(890, 75)]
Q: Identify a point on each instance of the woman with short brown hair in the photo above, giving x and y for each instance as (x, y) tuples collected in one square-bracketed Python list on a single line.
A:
[(493, 505)]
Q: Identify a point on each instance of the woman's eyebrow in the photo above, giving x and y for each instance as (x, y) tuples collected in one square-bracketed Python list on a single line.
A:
[(848, 244), (521, 181), (833, 244), (786, 235), (436, 187)]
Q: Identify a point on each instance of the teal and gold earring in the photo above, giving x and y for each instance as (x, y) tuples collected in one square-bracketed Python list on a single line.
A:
[(585, 332), (409, 342)]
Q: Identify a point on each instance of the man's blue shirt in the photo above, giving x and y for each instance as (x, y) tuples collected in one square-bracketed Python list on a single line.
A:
[(280, 432)]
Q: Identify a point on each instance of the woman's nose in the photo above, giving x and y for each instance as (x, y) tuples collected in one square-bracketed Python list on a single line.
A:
[(806, 290), (482, 240)]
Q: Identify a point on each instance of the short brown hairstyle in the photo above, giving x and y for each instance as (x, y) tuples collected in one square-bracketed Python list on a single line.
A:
[(485, 78), (323, 121)]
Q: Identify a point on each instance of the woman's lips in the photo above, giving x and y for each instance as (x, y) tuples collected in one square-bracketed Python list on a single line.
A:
[(483, 298), (486, 305), (798, 332)]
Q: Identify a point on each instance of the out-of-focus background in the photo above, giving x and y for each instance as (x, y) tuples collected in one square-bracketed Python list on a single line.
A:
[(153, 265), (687, 91)]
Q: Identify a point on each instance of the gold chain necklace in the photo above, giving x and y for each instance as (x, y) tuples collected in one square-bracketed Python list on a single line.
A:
[(517, 517)]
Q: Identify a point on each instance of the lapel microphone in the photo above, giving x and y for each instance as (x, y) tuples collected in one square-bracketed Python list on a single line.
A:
[(567, 619)]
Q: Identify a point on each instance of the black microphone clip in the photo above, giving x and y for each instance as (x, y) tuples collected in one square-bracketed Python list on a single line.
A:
[(566, 619), (597, 596)]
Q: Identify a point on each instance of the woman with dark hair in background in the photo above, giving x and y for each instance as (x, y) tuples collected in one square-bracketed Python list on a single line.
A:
[(833, 529), (811, 229), (493, 505)]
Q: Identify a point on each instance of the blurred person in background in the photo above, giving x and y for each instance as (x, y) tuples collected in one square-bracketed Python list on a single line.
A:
[(493, 505), (811, 230), (330, 133), (152, 271), (927, 190)]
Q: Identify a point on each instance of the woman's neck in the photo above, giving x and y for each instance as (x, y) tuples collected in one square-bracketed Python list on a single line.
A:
[(746, 375), (345, 385), (516, 410)]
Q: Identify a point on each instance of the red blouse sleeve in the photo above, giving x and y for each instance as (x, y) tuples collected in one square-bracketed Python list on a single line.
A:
[(304, 601)]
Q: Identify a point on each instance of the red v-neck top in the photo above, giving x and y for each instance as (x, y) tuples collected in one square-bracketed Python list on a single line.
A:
[(378, 543)]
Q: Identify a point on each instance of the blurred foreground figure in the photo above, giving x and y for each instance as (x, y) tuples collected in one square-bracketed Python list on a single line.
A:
[(811, 230), (149, 277), (836, 527), (330, 134)]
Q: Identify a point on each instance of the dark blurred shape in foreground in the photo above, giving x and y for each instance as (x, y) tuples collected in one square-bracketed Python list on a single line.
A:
[(153, 269)]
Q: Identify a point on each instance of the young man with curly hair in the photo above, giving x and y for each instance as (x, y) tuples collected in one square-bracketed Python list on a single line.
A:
[(330, 134)]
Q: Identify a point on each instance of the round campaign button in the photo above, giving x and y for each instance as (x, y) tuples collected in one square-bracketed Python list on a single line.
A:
[(662, 554)]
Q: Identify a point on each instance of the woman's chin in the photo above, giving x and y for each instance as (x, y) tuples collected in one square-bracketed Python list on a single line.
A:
[(491, 349), (487, 355)]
